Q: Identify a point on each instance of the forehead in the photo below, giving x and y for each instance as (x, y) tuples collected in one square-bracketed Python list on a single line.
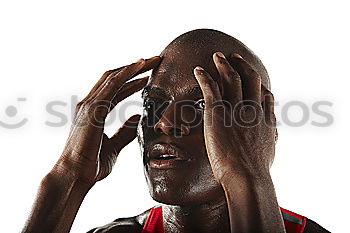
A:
[(173, 78), (175, 73)]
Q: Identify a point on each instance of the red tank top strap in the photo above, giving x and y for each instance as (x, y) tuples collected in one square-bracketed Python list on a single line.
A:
[(294, 223), (154, 222)]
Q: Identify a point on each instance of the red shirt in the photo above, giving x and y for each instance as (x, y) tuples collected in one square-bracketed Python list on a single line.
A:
[(294, 223)]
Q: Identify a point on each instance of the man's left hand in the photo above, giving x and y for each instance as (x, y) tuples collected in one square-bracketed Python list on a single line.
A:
[(239, 120)]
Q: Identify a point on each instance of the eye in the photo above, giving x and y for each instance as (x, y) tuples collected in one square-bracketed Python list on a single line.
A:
[(148, 104), (199, 104), (154, 105)]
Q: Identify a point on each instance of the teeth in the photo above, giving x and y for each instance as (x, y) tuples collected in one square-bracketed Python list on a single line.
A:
[(166, 156)]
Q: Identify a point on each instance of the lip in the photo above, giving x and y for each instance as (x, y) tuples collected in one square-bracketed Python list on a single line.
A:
[(179, 158)]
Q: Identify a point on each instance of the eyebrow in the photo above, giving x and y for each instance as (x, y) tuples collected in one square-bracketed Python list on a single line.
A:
[(192, 91)]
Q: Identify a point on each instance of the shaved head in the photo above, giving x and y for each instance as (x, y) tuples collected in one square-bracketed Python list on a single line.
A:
[(173, 115), (196, 47)]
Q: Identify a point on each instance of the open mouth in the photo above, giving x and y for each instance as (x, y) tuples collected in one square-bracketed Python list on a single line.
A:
[(166, 156)]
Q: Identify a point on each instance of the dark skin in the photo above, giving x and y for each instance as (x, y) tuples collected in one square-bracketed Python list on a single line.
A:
[(89, 154), (224, 185), (199, 188)]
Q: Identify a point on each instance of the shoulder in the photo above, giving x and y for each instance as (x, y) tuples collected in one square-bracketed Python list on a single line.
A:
[(131, 224), (313, 227), (298, 223)]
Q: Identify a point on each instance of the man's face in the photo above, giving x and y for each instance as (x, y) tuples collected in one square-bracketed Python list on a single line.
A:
[(176, 165)]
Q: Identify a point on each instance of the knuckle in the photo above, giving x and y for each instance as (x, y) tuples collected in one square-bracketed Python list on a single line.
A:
[(211, 83), (107, 73), (80, 109), (111, 81), (224, 62), (92, 109), (97, 106), (204, 85), (251, 72), (208, 88), (233, 75), (111, 72), (79, 105)]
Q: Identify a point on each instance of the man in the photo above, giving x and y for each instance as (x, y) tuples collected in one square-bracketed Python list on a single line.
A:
[(207, 135)]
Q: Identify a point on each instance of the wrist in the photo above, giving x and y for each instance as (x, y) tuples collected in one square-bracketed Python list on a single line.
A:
[(251, 189), (61, 181), (253, 201), (80, 173), (56, 205), (243, 178)]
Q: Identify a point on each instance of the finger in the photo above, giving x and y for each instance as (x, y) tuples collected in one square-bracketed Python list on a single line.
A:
[(210, 88), (232, 80), (269, 106), (263, 90), (101, 103), (125, 134), (149, 64), (101, 80), (128, 89), (251, 81), (211, 94), (113, 83)]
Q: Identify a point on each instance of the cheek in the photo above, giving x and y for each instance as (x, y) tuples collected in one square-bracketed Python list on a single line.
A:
[(204, 180), (191, 116), (146, 129), (195, 184)]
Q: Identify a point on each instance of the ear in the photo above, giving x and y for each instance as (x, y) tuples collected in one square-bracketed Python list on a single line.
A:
[(276, 136)]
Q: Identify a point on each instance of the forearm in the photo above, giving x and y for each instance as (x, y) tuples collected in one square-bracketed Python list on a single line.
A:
[(56, 205), (253, 206)]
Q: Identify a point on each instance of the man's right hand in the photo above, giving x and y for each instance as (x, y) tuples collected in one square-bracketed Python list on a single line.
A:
[(89, 154)]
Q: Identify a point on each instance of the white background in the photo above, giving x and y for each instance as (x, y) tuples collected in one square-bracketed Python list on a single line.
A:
[(50, 51)]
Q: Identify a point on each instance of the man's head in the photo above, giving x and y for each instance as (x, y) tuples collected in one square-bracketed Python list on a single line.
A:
[(172, 119)]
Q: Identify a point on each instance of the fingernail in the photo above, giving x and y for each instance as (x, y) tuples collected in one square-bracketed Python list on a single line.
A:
[(198, 68), (141, 60), (237, 55), (220, 54), (155, 57)]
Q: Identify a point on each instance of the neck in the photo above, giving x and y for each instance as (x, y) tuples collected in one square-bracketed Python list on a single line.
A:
[(206, 217)]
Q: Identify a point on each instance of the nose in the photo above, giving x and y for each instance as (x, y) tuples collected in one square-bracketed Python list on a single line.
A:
[(171, 123)]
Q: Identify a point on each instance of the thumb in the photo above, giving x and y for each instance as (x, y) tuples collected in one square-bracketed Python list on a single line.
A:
[(125, 134)]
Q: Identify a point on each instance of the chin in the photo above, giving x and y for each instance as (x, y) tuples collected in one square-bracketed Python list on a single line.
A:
[(168, 194), (168, 201), (194, 195)]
